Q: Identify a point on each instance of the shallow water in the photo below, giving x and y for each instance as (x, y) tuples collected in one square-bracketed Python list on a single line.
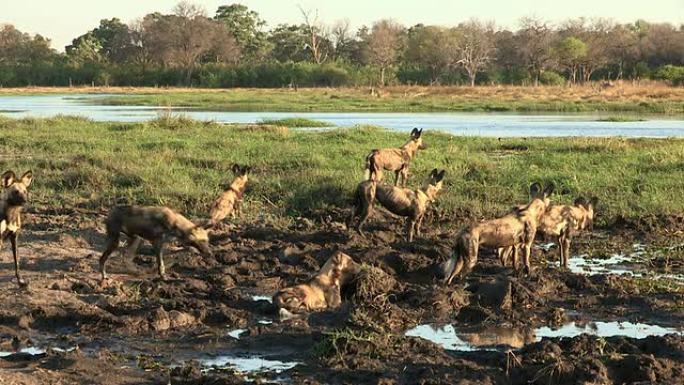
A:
[(480, 124), (247, 364), (32, 351), (503, 338)]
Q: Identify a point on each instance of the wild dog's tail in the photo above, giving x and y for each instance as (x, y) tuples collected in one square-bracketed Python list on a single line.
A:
[(371, 171), (455, 264)]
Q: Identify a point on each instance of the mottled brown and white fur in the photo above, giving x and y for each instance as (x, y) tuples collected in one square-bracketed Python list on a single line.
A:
[(563, 221), (512, 230), (154, 224), (394, 159), (12, 199), (230, 200), (412, 204), (322, 291)]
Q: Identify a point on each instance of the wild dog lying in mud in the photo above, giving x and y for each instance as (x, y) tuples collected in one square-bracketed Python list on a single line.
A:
[(12, 199), (323, 291), (516, 229), (155, 224), (394, 159), (563, 221), (230, 201), (398, 200)]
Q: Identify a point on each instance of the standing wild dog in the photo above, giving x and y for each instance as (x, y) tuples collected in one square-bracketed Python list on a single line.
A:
[(563, 221), (394, 159), (512, 230), (230, 201), (323, 291), (155, 224), (13, 197), (398, 200)]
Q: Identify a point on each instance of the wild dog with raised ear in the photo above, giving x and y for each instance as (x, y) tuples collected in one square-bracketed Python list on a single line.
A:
[(563, 221), (154, 224), (322, 291), (12, 199), (230, 201), (401, 201), (394, 159), (512, 230)]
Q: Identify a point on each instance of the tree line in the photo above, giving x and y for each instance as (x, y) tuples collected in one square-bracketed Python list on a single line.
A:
[(188, 47)]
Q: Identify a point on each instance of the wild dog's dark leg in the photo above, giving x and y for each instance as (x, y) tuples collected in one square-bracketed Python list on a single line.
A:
[(396, 177), (132, 246), (366, 211), (112, 245), (410, 229), (158, 245), (473, 249), (419, 223), (13, 240), (404, 175)]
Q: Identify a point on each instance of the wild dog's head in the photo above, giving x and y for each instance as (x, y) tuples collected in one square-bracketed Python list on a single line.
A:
[(434, 183), (417, 139), (587, 221), (540, 198), (290, 302), (341, 267), (240, 173), (198, 238), (15, 191)]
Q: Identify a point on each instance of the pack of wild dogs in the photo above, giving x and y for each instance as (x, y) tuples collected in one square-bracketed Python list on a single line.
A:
[(510, 234)]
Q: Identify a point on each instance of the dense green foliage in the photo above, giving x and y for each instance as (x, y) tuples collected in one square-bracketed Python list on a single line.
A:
[(234, 49)]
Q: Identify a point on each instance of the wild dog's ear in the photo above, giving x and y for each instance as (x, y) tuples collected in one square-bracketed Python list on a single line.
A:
[(440, 176), (418, 133), (8, 177), (549, 189), (246, 170), (27, 178), (535, 189), (580, 201), (235, 168), (593, 201), (414, 132), (433, 174)]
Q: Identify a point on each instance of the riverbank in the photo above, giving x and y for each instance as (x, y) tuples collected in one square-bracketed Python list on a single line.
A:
[(650, 98)]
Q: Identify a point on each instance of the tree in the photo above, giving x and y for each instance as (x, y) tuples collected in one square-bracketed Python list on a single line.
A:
[(344, 44), (430, 47), (475, 46), (246, 26), (17, 47), (384, 43), (289, 43), (317, 36), (533, 42), (570, 52), (184, 38), (111, 41)]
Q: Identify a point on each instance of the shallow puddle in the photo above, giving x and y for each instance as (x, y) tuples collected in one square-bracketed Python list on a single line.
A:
[(262, 298), (503, 338), (247, 364), (33, 351)]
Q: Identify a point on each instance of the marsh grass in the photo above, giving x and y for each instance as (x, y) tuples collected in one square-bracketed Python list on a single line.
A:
[(647, 98), (295, 122), (82, 163)]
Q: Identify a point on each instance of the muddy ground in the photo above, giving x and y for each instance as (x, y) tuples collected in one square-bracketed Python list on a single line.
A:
[(139, 330)]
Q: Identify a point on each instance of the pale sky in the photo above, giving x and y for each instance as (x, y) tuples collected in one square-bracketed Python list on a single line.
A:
[(62, 20)]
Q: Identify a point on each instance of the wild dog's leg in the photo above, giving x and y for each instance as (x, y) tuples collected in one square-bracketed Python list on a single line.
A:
[(404, 175), (13, 240), (515, 257), (367, 201), (132, 246), (473, 249), (419, 223), (458, 266), (112, 245), (410, 229), (333, 298), (158, 245), (396, 177)]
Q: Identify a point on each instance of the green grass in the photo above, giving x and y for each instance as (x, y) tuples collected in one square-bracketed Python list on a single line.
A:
[(527, 100), (88, 164), (296, 122), (619, 119)]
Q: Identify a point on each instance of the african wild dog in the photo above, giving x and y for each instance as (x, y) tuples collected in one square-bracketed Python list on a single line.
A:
[(512, 230), (563, 221), (322, 291), (230, 201), (394, 159), (155, 224), (12, 199), (398, 200)]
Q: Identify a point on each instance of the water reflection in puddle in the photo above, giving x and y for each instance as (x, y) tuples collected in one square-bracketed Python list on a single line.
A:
[(501, 338), (31, 351), (248, 364), (262, 298)]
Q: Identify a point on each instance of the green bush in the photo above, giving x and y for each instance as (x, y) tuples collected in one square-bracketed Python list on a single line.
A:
[(551, 78), (671, 73)]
